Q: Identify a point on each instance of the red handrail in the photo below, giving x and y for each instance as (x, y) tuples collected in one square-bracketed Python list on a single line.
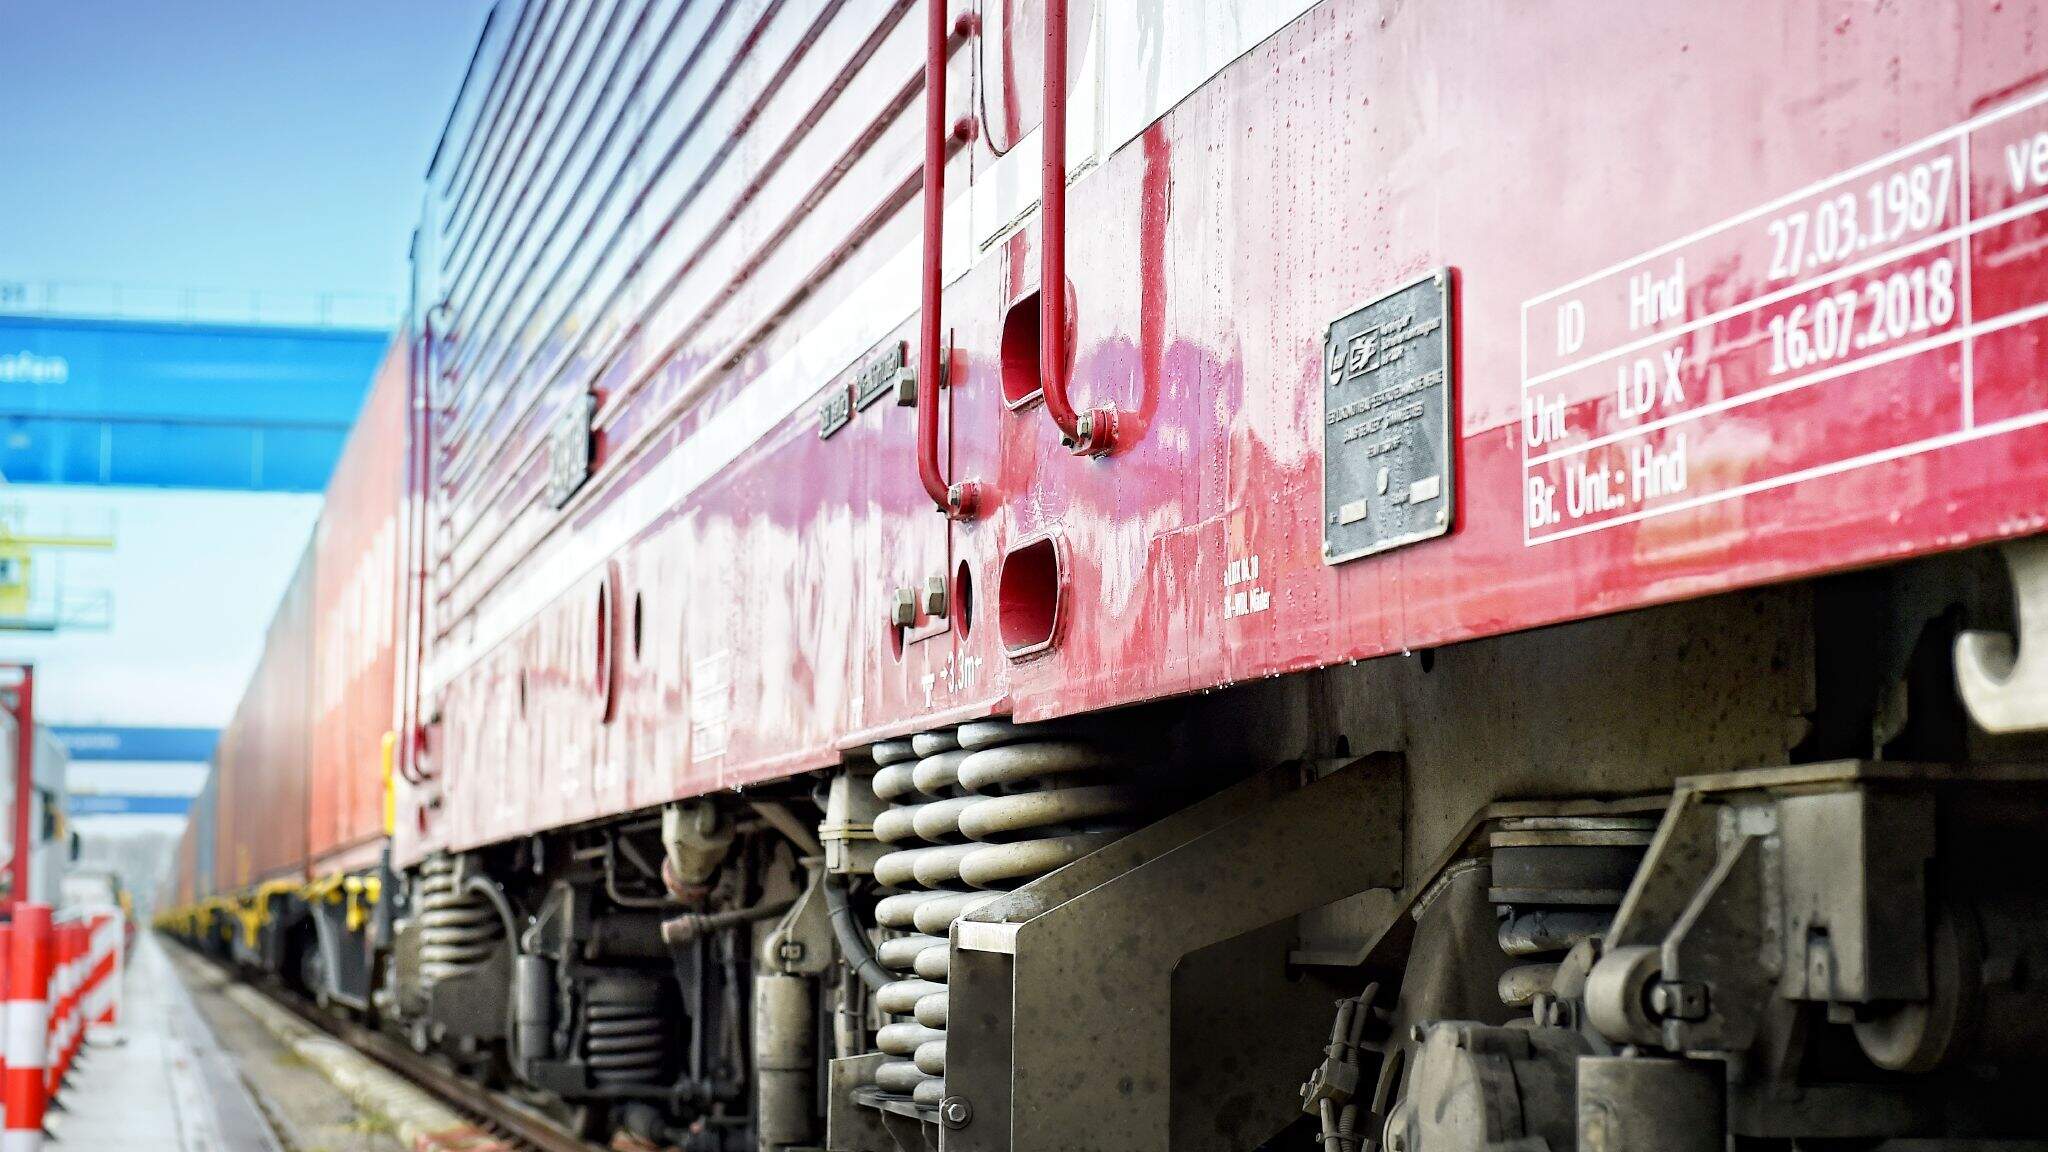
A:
[(955, 500), (1090, 433)]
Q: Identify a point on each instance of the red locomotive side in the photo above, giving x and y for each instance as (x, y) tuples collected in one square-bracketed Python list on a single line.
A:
[(1810, 349), (1514, 525)]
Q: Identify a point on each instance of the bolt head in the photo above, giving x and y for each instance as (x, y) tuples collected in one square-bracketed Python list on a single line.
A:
[(1085, 424), (906, 388), (935, 596), (903, 608), (955, 1112)]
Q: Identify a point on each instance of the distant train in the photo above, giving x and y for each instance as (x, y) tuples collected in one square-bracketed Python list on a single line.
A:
[(1357, 574)]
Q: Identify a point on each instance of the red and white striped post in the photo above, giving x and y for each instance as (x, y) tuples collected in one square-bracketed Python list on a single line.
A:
[(103, 1015), (65, 1036), (74, 1010), (58, 998), (6, 994), (28, 1022), (53, 1043)]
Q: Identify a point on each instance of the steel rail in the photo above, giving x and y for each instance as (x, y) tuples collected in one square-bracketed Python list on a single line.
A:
[(504, 1114)]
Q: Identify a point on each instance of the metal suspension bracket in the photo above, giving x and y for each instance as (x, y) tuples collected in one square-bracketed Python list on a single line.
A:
[(1101, 993)]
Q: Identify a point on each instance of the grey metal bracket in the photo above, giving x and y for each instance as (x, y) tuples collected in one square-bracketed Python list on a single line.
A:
[(1132, 999)]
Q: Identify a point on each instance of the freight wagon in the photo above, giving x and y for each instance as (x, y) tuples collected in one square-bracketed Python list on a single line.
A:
[(1044, 575)]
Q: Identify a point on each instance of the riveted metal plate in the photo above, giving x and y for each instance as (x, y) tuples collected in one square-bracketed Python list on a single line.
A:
[(1387, 422), (835, 411), (878, 375), (569, 448)]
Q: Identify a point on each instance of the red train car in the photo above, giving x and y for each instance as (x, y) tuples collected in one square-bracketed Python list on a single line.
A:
[(261, 760), (357, 546), (1525, 528)]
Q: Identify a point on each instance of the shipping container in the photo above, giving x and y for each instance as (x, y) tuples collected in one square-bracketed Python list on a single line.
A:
[(356, 561), (264, 759)]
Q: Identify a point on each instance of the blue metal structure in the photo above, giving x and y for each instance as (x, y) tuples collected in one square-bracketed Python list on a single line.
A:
[(121, 744), (174, 405)]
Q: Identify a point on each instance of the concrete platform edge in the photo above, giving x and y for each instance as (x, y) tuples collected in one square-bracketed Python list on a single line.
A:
[(423, 1123)]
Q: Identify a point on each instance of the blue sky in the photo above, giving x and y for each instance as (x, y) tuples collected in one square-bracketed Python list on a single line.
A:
[(253, 145)]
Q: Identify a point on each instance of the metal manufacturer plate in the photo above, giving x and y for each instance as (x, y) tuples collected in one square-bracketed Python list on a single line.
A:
[(1387, 420), (569, 450), (836, 412), (878, 375)]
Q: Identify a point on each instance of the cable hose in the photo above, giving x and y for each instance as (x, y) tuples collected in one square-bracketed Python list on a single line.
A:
[(853, 942)]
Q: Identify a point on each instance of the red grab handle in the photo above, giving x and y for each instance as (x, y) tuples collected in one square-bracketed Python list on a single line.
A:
[(957, 500), (1090, 433)]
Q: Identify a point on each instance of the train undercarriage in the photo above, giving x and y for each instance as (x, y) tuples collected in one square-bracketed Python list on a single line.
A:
[(1739, 872)]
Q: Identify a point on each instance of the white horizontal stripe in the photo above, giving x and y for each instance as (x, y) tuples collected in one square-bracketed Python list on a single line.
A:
[(28, 1025)]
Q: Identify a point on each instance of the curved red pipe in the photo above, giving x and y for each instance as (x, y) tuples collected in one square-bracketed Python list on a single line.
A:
[(955, 500), (1090, 433)]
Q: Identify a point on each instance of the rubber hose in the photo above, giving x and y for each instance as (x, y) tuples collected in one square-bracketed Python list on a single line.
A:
[(852, 941)]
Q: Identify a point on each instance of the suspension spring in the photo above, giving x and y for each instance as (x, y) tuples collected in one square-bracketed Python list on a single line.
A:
[(458, 930), (625, 1042), (975, 811)]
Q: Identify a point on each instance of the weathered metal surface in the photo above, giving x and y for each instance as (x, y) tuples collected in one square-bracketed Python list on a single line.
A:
[(263, 762), (356, 550), (1070, 1041), (1273, 165)]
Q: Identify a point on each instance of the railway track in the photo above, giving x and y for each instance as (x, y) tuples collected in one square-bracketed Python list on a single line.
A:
[(512, 1121), (504, 1116)]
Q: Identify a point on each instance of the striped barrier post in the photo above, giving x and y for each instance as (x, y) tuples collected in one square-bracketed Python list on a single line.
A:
[(58, 996), (60, 1008), (81, 990), (104, 1019), (81, 986), (74, 985), (28, 1020), (6, 994)]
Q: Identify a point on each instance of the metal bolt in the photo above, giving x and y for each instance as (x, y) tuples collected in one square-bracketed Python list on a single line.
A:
[(935, 596), (790, 951), (962, 499), (903, 608), (1084, 425), (955, 1112), (906, 388), (1679, 1000)]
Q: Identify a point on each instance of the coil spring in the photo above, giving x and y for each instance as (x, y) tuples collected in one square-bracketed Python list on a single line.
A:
[(624, 1040), (458, 930), (977, 810)]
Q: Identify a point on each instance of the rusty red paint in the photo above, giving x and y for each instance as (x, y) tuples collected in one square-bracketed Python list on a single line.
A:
[(1366, 143)]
